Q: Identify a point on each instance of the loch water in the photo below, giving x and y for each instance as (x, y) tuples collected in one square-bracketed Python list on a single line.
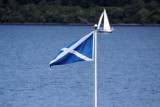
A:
[(128, 67)]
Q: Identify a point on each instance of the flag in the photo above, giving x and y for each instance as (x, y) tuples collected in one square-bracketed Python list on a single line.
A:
[(80, 50)]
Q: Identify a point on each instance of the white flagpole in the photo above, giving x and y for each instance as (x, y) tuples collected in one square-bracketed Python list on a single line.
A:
[(95, 61)]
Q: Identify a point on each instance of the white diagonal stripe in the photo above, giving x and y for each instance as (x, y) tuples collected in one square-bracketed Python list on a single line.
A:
[(78, 55), (71, 48)]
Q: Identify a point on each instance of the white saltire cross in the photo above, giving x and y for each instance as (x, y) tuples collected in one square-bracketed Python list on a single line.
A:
[(78, 55)]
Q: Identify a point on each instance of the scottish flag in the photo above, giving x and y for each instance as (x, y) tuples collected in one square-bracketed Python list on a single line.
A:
[(80, 50)]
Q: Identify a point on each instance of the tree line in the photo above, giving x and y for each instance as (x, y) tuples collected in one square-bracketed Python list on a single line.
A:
[(79, 11)]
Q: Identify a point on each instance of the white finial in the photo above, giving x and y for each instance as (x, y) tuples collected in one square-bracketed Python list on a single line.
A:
[(95, 26)]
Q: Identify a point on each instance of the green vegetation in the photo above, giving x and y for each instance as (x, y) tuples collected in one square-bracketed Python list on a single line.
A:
[(79, 11)]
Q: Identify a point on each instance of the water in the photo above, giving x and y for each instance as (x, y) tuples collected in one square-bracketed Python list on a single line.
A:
[(128, 67)]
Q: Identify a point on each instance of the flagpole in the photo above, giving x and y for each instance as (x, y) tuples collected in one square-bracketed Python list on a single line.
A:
[(95, 61)]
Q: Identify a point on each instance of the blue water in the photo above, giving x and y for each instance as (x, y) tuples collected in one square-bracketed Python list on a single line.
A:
[(128, 67)]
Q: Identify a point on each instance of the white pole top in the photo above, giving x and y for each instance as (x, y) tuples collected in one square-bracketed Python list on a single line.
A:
[(95, 26)]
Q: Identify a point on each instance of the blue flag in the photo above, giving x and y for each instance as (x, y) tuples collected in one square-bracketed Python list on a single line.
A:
[(80, 50)]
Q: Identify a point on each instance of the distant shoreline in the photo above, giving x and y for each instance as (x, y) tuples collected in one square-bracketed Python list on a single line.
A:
[(120, 24)]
